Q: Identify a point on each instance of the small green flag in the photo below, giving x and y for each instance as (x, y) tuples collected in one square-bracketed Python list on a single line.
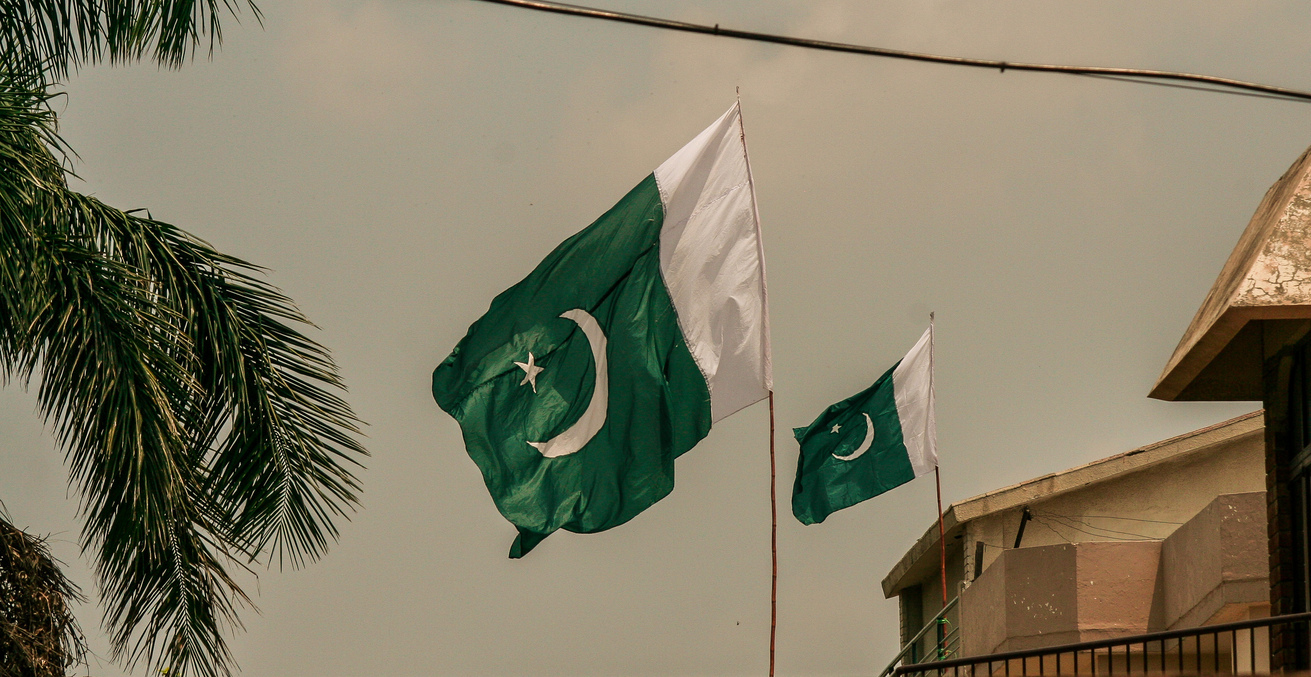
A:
[(583, 382), (873, 441)]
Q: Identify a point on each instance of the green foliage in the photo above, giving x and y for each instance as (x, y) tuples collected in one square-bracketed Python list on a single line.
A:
[(204, 431), (38, 635), (42, 38)]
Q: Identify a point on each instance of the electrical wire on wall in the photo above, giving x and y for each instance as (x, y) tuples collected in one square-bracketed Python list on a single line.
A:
[(1082, 524), (1049, 521)]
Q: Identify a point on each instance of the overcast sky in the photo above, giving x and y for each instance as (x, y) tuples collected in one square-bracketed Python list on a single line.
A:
[(397, 163)]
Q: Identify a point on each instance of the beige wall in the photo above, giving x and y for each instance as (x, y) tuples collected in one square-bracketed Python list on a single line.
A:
[(1055, 594), (1216, 566), (1150, 503), (1170, 493), (1211, 569)]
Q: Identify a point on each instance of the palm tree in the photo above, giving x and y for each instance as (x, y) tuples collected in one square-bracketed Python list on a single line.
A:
[(202, 429), (38, 634)]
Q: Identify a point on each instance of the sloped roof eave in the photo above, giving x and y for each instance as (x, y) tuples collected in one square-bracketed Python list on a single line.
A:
[(1267, 276)]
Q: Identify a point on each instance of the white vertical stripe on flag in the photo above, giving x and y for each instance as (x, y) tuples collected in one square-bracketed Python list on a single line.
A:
[(912, 388), (713, 265)]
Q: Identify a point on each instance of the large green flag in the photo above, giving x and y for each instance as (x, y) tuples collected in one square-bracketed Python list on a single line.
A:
[(582, 383), (873, 441)]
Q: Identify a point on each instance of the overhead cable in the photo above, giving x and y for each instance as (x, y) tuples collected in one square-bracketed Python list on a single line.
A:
[(1141, 76), (1071, 521), (1128, 519), (1050, 527), (1062, 523)]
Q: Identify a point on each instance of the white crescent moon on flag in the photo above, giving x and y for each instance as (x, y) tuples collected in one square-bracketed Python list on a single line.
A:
[(587, 425), (864, 446)]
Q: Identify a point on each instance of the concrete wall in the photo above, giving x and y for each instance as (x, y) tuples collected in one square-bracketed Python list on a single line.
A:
[(984, 624), (1041, 599), (1211, 569), (1150, 504), (1054, 594), (1118, 589), (1168, 494), (1216, 566)]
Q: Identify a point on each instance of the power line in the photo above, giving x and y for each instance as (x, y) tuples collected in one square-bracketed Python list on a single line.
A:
[(1059, 522), (1129, 519), (1216, 84), (1043, 523), (1051, 528), (1084, 521), (1195, 88), (1073, 521), (1050, 524)]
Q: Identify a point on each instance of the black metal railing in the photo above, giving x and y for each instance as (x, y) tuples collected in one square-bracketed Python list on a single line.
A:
[(1236, 648), (946, 643)]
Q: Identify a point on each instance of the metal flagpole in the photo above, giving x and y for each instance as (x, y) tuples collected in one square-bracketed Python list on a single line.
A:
[(942, 540), (773, 464), (773, 538), (937, 480), (941, 537)]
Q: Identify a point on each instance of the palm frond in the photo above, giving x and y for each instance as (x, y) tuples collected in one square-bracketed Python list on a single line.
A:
[(199, 423), (55, 37), (38, 634), (282, 471)]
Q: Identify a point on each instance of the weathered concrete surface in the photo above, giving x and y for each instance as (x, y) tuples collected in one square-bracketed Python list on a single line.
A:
[(1055, 594), (1210, 570), (1118, 589), (984, 612), (1169, 480), (1267, 277), (1215, 566)]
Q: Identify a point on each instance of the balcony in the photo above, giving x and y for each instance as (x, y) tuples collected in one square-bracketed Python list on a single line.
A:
[(1237, 648), (1212, 569)]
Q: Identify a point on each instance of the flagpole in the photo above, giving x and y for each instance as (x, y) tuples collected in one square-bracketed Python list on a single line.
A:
[(773, 464), (942, 538), (773, 538), (937, 478), (937, 481)]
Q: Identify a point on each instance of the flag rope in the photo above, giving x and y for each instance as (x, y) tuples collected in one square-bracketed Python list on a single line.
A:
[(773, 537)]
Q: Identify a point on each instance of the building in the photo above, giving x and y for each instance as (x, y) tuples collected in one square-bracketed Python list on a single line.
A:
[(1169, 535), (1249, 341)]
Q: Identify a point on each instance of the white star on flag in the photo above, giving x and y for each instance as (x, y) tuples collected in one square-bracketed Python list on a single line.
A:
[(531, 371)]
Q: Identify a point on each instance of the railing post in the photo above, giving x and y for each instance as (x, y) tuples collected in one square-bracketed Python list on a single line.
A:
[(1251, 646)]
